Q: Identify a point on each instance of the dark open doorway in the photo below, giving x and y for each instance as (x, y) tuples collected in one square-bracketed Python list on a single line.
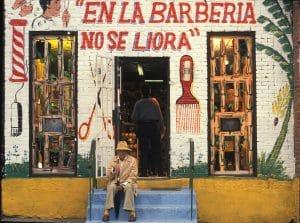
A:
[(131, 73)]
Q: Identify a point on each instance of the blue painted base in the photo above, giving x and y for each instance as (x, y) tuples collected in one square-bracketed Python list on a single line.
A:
[(151, 206)]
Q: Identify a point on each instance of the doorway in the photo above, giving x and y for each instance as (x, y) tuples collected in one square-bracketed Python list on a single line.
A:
[(131, 74)]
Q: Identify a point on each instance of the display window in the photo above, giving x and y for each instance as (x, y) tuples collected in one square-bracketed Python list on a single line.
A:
[(53, 108), (231, 110)]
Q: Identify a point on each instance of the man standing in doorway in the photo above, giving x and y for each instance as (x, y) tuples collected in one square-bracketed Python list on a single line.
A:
[(150, 129)]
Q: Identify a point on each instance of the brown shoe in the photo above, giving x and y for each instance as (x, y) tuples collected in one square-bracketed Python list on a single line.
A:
[(105, 215), (132, 217)]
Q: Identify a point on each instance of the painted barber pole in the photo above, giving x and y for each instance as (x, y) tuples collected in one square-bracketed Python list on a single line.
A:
[(18, 43)]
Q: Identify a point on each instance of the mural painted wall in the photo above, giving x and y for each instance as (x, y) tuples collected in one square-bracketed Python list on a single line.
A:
[(227, 61)]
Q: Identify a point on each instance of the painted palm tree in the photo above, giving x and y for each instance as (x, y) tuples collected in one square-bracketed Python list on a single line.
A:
[(281, 28)]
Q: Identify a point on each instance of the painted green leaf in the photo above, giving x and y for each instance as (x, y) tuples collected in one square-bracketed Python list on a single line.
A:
[(287, 30), (266, 169), (259, 47), (288, 5), (269, 52), (284, 64), (270, 27), (279, 106), (276, 58), (278, 34), (285, 67), (272, 167), (287, 2), (282, 40), (283, 22), (277, 15), (274, 8), (287, 48), (288, 8), (268, 2), (262, 19)]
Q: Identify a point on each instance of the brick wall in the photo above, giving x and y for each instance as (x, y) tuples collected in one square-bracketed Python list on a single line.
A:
[(270, 78)]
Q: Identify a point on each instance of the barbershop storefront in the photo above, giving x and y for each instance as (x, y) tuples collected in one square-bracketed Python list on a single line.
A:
[(222, 72)]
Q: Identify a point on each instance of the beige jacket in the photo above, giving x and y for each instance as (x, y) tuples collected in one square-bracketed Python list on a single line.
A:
[(128, 171)]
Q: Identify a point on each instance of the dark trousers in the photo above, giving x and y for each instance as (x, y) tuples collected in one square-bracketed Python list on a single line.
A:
[(148, 134)]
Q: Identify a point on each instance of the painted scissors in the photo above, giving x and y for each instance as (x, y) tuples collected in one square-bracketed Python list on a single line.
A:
[(84, 134)]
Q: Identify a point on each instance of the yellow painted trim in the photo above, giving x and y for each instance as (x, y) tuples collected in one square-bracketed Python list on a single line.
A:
[(219, 199), (45, 197), (247, 200)]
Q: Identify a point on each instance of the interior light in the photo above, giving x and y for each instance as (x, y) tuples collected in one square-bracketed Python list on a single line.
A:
[(154, 81), (140, 70), (226, 60), (216, 43)]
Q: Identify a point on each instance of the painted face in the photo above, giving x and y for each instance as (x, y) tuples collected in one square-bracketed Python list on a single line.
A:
[(53, 9)]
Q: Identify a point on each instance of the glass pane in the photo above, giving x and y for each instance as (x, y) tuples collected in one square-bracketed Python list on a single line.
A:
[(69, 152), (229, 143), (217, 161), (216, 49), (54, 99), (53, 60), (241, 97), (39, 102), (39, 49), (229, 161), (244, 151), (217, 97), (229, 97), (229, 56), (229, 153), (217, 141), (68, 63), (39, 60), (54, 150), (67, 101), (39, 150), (243, 51)]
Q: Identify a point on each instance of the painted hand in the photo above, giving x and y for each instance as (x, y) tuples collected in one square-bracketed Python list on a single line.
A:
[(66, 17), (18, 3)]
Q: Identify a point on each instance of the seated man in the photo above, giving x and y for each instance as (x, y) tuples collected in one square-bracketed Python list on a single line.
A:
[(122, 174)]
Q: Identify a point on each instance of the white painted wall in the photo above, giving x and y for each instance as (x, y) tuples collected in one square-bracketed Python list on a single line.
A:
[(269, 79)]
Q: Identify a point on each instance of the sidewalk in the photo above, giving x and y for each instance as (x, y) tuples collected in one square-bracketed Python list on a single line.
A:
[(22, 220)]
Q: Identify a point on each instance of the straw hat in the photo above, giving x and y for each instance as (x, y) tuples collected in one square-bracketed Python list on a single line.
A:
[(122, 146)]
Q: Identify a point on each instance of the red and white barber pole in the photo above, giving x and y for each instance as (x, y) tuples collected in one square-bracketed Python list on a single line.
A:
[(18, 43)]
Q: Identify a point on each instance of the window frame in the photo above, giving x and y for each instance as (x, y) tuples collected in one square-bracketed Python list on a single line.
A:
[(32, 35), (211, 169)]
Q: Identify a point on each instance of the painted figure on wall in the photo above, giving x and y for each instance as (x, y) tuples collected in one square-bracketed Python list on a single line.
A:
[(25, 7), (51, 8)]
